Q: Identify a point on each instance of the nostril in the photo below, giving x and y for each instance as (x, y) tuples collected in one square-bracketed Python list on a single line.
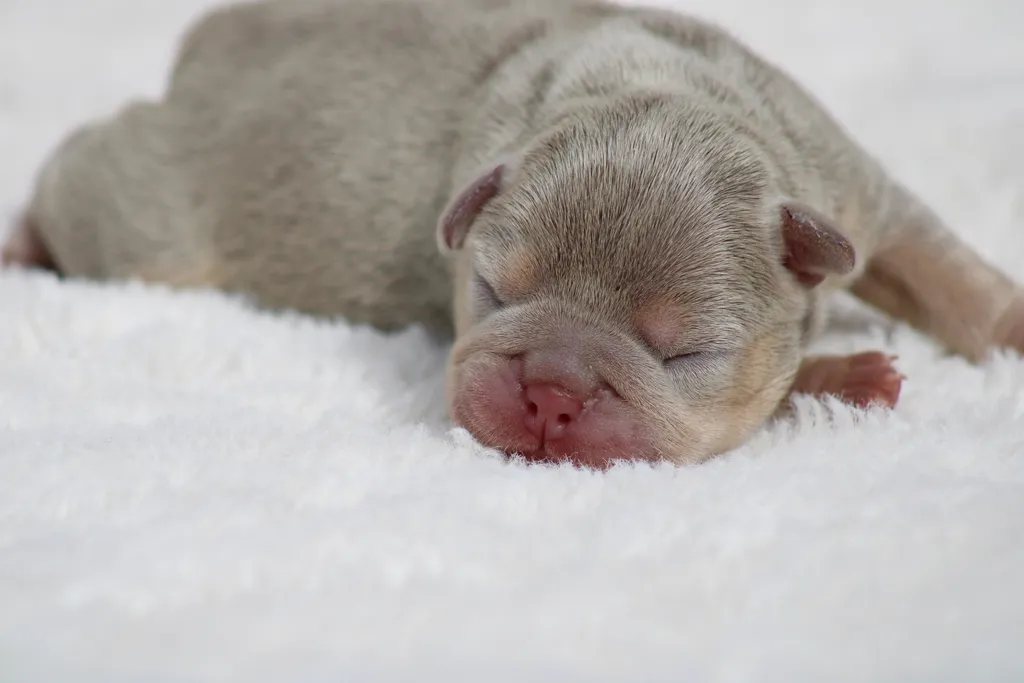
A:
[(550, 410)]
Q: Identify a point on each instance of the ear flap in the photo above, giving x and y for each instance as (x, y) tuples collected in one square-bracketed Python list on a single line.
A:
[(814, 248), (462, 211)]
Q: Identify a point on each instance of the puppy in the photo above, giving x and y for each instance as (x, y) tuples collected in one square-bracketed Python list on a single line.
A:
[(629, 220)]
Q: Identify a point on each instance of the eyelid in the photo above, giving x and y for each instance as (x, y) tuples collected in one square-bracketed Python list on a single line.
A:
[(488, 289), (683, 355), (704, 352), (699, 367)]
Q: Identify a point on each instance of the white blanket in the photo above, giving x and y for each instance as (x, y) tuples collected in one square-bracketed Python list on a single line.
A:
[(191, 491)]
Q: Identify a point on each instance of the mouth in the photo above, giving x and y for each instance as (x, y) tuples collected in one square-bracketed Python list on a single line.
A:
[(543, 451), (493, 406)]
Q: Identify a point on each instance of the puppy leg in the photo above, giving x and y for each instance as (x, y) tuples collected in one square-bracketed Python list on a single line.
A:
[(119, 199), (862, 380), (923, 274), (25, 248)]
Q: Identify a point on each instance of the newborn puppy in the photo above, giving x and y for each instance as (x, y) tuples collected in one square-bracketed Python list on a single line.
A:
[(628, 218)]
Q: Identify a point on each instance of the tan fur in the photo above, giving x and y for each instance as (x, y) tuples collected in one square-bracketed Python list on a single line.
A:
[(306, 149)]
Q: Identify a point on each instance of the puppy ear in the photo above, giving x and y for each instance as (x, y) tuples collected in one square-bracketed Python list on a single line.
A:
[(463, 209), (814, 248)]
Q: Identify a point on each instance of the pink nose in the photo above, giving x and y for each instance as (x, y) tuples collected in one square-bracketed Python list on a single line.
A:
[(550, 410)]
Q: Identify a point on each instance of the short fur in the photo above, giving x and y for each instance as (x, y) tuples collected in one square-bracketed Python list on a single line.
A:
[(306, 150)]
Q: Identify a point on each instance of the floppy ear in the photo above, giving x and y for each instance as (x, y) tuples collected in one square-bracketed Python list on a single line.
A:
[(463, 209), (814, 248)]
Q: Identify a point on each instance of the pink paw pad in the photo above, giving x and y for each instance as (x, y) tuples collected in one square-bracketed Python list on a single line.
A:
[(861, 380)]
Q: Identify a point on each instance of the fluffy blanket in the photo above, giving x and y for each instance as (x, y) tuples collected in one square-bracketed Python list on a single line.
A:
[(194, 491)]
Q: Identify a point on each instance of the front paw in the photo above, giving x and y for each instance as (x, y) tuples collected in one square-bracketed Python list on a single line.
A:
[(861, 380)]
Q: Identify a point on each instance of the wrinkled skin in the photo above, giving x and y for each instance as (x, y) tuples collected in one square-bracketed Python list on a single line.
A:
[(629, 304)]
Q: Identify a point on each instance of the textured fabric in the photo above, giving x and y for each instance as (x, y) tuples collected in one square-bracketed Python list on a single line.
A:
[(192, 491)]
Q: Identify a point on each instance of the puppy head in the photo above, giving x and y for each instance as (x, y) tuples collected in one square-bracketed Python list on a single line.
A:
[(630, 286)]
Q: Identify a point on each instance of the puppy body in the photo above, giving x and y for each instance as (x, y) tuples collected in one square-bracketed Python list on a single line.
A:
[(628, 219)]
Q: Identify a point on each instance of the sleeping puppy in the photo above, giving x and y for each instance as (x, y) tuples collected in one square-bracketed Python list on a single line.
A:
[(628, 219)]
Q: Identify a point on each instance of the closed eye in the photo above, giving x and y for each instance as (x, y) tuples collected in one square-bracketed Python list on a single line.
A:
[(486, 293), (684, 357)]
